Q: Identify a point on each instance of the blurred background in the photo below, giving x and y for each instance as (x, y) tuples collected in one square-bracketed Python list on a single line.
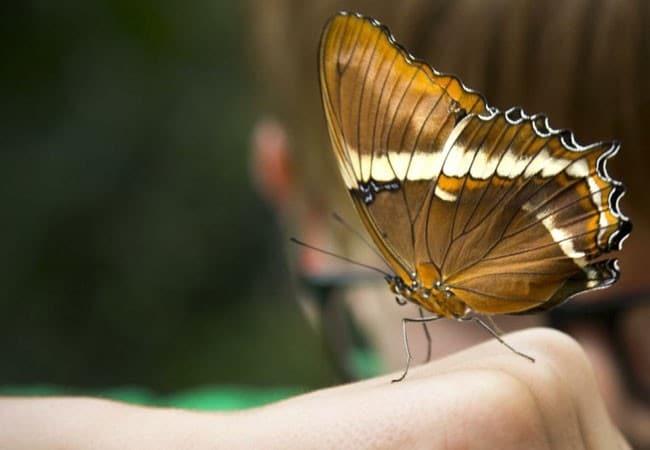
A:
[(134, 251)]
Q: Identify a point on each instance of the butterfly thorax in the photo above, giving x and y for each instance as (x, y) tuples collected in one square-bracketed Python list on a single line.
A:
[(438, 299)]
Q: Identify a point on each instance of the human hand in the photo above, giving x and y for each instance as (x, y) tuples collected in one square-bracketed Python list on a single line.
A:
[(482, 397)]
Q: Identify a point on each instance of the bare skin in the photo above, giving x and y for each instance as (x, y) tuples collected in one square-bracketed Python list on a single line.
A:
[(482, 397)]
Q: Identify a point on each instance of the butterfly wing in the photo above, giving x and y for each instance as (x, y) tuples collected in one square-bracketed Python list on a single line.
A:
[(507, 213), (389, 116), (526, 213)]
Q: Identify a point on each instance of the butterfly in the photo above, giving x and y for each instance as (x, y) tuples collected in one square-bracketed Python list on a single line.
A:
[(477, 211)]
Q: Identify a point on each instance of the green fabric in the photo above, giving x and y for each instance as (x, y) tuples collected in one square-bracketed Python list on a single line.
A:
[(222, 398)]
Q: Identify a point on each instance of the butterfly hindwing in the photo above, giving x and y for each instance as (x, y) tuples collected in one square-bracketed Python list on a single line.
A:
[(531, 211)]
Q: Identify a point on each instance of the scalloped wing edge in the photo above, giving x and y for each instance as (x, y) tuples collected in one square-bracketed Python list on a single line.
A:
[(408, 56), (542, 127)]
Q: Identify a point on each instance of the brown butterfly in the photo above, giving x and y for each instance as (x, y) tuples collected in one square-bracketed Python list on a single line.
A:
[(478, 211)]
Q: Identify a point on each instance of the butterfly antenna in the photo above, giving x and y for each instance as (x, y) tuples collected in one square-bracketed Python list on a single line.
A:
[(354, 231), (343, 258)]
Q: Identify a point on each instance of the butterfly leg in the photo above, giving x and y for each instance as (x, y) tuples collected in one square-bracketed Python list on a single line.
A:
[(488, 320), (427, 334), (409, 357), (498, 338)]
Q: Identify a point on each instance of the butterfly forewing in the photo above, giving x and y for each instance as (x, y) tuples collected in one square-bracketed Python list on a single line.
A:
[(389, 117), (506, 213)]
